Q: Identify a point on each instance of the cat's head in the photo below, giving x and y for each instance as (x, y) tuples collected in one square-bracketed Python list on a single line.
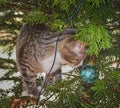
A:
[(73, 51)]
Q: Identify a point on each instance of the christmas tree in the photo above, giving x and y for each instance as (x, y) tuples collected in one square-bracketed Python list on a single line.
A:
[(97, 23)]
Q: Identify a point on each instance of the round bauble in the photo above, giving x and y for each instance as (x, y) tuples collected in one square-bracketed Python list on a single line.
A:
[(89, 73)]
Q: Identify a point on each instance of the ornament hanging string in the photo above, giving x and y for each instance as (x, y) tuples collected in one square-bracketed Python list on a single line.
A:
[(75, 13), (57, 40)]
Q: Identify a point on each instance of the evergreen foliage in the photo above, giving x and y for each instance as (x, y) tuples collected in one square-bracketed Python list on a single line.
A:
[(98, 24)]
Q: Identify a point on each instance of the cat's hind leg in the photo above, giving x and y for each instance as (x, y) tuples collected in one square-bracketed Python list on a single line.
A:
[(29, 83)]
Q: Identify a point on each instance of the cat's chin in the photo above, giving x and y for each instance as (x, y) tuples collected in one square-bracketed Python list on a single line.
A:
[(80, 64), (76, 66)]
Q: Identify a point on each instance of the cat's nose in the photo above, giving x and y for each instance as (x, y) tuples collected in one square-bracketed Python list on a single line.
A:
[(87, 46)]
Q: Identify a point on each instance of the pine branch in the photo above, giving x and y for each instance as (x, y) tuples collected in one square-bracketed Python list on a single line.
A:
[(16, 7)]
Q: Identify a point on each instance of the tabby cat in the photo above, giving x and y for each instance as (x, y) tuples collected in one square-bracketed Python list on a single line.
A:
[(35, 50)]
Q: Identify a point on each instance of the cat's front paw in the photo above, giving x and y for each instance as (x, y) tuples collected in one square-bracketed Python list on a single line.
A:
[(34, 93), (25, 93)]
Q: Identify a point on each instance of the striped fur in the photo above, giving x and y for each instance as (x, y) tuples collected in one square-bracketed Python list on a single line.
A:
[(35, 52)]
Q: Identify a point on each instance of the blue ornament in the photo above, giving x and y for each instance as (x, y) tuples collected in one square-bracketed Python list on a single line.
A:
[(89, 74)]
